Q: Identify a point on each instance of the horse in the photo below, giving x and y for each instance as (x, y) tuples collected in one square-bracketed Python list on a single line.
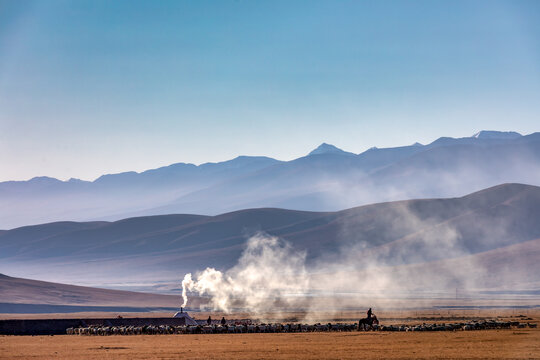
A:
[(367, 323)]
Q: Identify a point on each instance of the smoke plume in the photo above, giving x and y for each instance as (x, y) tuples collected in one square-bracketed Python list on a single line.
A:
[(269, 270), (186, 283)]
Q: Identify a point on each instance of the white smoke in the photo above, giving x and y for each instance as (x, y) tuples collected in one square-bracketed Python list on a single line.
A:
[(186, 283), (269, 270)]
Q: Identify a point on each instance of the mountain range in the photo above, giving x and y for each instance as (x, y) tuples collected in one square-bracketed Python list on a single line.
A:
[(327, 179), (494, 233)]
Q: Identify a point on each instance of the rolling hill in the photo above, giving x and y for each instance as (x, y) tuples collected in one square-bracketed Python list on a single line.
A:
[(30, 296), (151, 253)]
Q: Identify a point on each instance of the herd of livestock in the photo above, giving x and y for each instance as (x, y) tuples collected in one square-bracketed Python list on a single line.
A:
[(287, 328)]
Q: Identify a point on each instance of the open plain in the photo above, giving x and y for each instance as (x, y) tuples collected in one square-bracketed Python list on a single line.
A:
[(495, 344), (515, 343)]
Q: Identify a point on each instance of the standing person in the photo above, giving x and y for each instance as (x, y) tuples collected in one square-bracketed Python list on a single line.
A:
[(209, 321), (223, 321)]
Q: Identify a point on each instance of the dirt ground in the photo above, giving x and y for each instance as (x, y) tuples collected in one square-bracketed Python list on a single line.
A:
[(488, 344)]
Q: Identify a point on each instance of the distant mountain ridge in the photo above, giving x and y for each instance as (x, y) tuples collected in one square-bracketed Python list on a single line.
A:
[(323, 148), (327, 179)]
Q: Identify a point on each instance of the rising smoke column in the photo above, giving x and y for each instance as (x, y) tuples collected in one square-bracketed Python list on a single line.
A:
[(269, 270), (186, 283)]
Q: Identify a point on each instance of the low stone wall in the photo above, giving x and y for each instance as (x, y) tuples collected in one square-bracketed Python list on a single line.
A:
[(59, 326)]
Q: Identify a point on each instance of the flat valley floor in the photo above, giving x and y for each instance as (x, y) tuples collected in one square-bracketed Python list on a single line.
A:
[(515, 343), (486, 344)]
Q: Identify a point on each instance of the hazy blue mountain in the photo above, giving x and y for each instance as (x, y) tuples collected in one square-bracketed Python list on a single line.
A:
[(446, 167), (44, 199), (162, 248), (327, 179)]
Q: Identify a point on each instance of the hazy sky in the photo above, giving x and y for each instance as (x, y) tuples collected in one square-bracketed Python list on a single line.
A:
[(93, 87)]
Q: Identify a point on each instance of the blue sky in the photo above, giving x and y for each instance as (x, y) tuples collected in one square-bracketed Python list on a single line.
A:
[(93, 87)]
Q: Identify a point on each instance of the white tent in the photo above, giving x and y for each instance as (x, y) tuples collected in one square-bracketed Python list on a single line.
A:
[(188, 319)]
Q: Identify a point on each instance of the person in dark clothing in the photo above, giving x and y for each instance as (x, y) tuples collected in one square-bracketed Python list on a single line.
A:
[(223, 321), (209, 321), (369, 313)]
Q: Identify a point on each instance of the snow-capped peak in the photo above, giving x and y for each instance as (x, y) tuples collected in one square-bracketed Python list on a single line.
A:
[(499, 135)]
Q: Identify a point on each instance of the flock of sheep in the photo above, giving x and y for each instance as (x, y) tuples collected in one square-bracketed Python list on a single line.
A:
[(286, 328), (471, 325)]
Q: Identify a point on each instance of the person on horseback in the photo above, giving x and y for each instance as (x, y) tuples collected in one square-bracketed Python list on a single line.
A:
[(368, 322)]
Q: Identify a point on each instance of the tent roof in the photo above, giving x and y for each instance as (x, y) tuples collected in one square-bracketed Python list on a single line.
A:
[(189, 320)]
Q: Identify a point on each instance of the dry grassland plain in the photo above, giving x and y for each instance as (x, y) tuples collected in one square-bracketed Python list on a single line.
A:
[(487, 344)]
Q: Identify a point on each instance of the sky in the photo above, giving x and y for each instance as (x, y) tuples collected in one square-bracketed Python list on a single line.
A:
[(95, 87)]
